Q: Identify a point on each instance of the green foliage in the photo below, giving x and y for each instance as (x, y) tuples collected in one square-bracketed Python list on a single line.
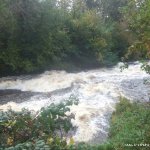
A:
[(137, 14), (92, 38), (37, 35), (111, 9), (83, 146), (130, 125), (46, 129), (146, 67)]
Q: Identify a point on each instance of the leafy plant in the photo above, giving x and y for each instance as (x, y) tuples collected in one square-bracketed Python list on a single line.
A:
[(44, 129)]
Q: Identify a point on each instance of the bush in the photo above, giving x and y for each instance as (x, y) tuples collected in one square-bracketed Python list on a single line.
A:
[(47, 129)]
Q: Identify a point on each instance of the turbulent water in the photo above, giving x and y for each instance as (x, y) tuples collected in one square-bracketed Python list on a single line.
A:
[(98, 92)]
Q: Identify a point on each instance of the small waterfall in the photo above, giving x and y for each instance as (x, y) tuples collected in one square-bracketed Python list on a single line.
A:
[(98, 92)]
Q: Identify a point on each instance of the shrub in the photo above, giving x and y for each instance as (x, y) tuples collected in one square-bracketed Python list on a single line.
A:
[(46, 129)]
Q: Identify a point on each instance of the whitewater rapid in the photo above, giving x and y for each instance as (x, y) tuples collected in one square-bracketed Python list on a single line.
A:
[(98, 92)]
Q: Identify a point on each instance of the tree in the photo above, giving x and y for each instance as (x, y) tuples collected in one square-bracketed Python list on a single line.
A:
[(138, 15)]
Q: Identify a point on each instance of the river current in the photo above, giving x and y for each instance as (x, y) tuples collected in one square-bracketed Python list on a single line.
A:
[(98, 92)]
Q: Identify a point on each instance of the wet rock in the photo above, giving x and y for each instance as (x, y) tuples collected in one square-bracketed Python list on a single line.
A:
[(135, 90)]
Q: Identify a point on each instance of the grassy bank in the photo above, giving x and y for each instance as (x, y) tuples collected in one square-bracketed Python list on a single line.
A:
[(130, 126)]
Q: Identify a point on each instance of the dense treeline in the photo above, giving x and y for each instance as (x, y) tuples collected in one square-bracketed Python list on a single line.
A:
[(41, 34)]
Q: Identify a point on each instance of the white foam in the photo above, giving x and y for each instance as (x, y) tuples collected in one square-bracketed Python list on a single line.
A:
[(98, 92)]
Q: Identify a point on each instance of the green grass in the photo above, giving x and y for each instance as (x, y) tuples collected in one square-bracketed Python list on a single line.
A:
[(130, 124)]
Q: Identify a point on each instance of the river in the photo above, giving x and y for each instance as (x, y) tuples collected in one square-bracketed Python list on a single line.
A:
[(98, 92)]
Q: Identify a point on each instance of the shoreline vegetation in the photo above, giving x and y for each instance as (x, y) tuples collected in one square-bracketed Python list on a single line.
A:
[(64, 34), (129, 125)]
